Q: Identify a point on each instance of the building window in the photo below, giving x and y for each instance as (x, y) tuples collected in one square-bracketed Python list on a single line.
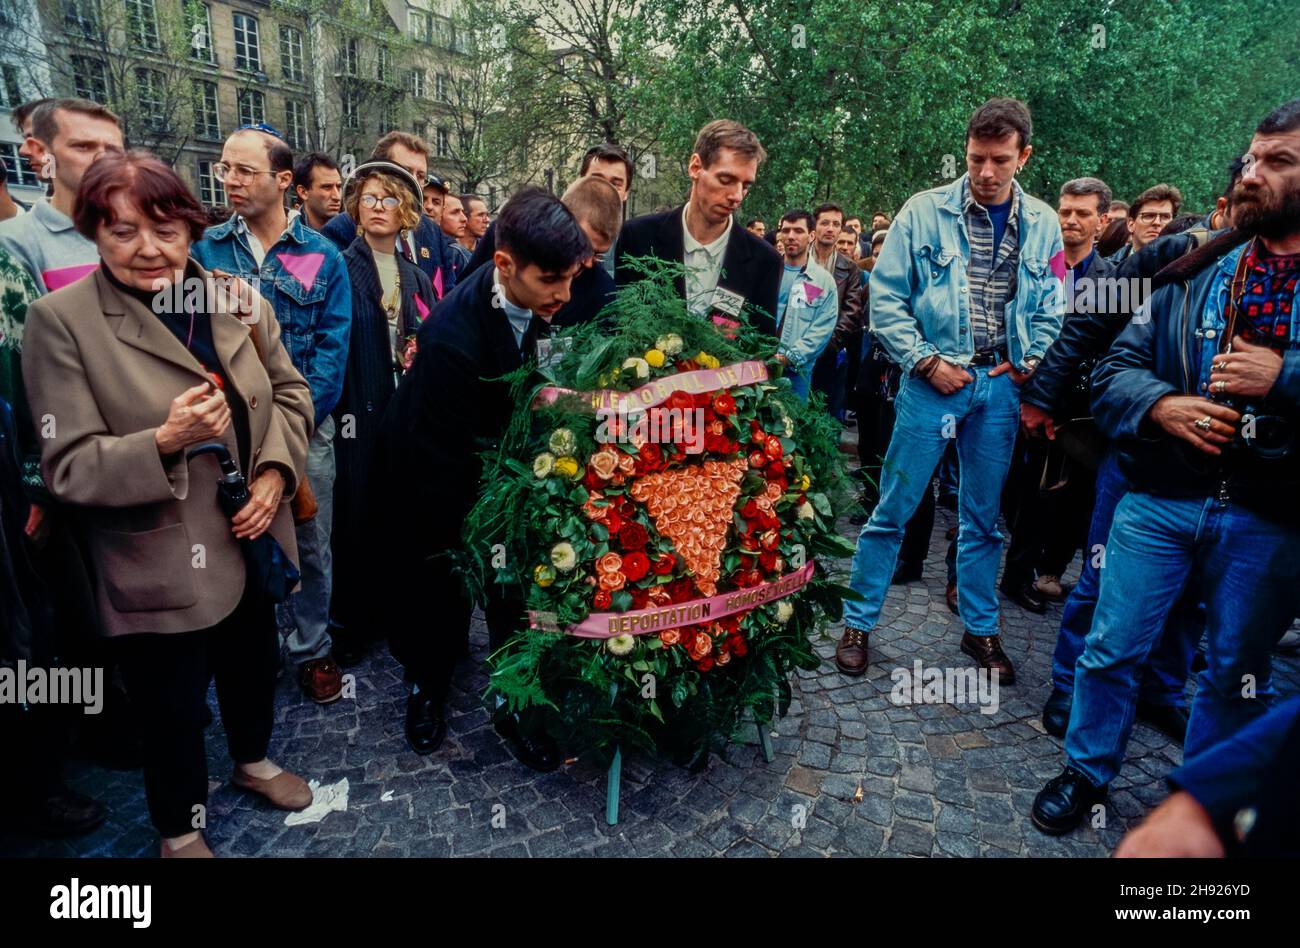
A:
[(79, 18), (295, 123), (441, 31), (418, 24), (421, 130), (351, 110), (11, 90), (211, 192), (252, 107), (381, 64), (17, 172), (351, 57), (198, 16), (440, 87), (443, 148), (207, 124), (248, 51), (149, 98), (415, 83), (142, 23), (291, 53), (90, 78)]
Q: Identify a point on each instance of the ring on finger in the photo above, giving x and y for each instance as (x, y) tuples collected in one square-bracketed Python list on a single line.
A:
[(1221, 386), (1218, 366), (1202, 423)]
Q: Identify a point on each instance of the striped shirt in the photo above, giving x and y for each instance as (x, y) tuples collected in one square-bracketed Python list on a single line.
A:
[(992, 278)]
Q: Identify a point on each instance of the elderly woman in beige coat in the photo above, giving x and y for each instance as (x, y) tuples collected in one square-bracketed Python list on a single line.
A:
[(126, 370)]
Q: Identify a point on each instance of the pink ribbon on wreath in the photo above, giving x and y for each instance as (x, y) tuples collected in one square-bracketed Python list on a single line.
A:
[(657, 392), (606, 625)]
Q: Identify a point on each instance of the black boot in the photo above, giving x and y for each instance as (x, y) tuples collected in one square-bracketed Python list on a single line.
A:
[(1065, 802), (425, 725), (1056, 712), (532, 749), (65, 812), (1024, 595), (1165, 718)]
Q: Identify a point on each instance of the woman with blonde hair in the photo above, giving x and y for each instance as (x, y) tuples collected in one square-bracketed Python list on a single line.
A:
[(391, 296)]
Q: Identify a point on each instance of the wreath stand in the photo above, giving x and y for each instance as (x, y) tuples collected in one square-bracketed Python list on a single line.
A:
[(614, 777)]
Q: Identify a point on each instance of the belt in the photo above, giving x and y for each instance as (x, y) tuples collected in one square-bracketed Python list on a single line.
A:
[(989, 357)]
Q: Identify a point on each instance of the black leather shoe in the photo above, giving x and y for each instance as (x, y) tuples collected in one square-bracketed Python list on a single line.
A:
[(1065, 802), (1025, 596), (1056, 713), (1165, 718), (425, 725), (348, 649), (906, 573), (65, 812), (536, 751)]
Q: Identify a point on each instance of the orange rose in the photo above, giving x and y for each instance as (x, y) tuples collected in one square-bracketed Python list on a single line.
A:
[(701, 645), (604, 462), (609, 563), (612, 582), (626, 464), (591, 509), (723, 657), (670, 636), (773, 491)]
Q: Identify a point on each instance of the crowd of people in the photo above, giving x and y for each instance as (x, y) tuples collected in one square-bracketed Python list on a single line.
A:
[(345, 359)]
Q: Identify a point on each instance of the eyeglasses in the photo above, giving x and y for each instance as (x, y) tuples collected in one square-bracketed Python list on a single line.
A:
[(224, 172), (1155, 217), (369, 201)]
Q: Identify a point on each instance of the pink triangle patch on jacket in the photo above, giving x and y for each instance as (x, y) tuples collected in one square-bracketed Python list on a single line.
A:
[(812, 291), (303, 266)]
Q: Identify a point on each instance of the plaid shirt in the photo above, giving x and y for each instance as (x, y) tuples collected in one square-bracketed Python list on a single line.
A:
[(1266, 301), (992, 279)]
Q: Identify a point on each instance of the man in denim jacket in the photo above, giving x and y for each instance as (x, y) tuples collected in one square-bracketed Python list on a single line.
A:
[(966, 298), (807, 303), (303, 277)]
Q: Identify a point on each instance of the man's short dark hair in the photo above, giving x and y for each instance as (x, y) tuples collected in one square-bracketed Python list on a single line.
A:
[(1285, 118), (998, 118), (45, 121), (384, 147), (18, 115), (724, 133), (826, 208), (799, 214), (606, 151), (466, 198), (752, 222), (1181, 223), (535, 227), (1157, 192), (1082, 186), (306, 166)]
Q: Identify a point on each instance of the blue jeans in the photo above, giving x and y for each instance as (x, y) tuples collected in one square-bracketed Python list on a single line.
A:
[(984, 416), (1246, 570), (1164, 678), (800, 382)]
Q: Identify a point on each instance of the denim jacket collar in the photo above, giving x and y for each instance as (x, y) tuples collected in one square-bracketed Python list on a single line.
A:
[(954, 200), (237, 224)]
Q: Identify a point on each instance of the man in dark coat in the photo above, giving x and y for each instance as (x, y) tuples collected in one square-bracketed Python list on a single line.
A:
[(727, 267), (451, 405)]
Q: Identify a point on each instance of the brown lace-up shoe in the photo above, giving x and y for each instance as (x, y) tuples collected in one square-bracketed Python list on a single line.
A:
[(321, 680), (285, 791), (851, 653), (987, 651), (950, 595)]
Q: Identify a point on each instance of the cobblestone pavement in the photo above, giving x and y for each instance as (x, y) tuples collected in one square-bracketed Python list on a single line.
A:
[(853, 774)]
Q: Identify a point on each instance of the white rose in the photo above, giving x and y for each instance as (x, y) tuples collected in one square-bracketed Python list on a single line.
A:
[(784, 611), (806, 511), (620, 644), (671, 344), (638, 365), (543, 464), (564, 557), (563, 441)]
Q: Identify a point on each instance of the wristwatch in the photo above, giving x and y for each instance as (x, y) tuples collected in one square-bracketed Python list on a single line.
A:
[(1032, 364)]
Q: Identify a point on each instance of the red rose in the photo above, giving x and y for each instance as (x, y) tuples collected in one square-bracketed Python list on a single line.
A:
[(601, 599), (640, 598), (665, 565), (737, 646), (750, 510), (633, 536), (767, 559), (747, 542), (757, 459), (702, 400), (773, 448), (724, 404), (614, 522), (592, 481), (705, 664), (651, 456), (635, 566), (775, 469), (687, 365), (756, 434), (681, 400)]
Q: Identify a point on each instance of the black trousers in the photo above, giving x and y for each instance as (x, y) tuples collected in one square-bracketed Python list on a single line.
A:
[(430, 639), (167, 677), (1047, 526)]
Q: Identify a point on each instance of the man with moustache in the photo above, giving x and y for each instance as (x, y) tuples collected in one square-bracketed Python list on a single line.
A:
[(965, 298), (828, 374), (452, 402), (728, 269), (807, 303), (1202, 395), (476, 221), (301, 274)]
